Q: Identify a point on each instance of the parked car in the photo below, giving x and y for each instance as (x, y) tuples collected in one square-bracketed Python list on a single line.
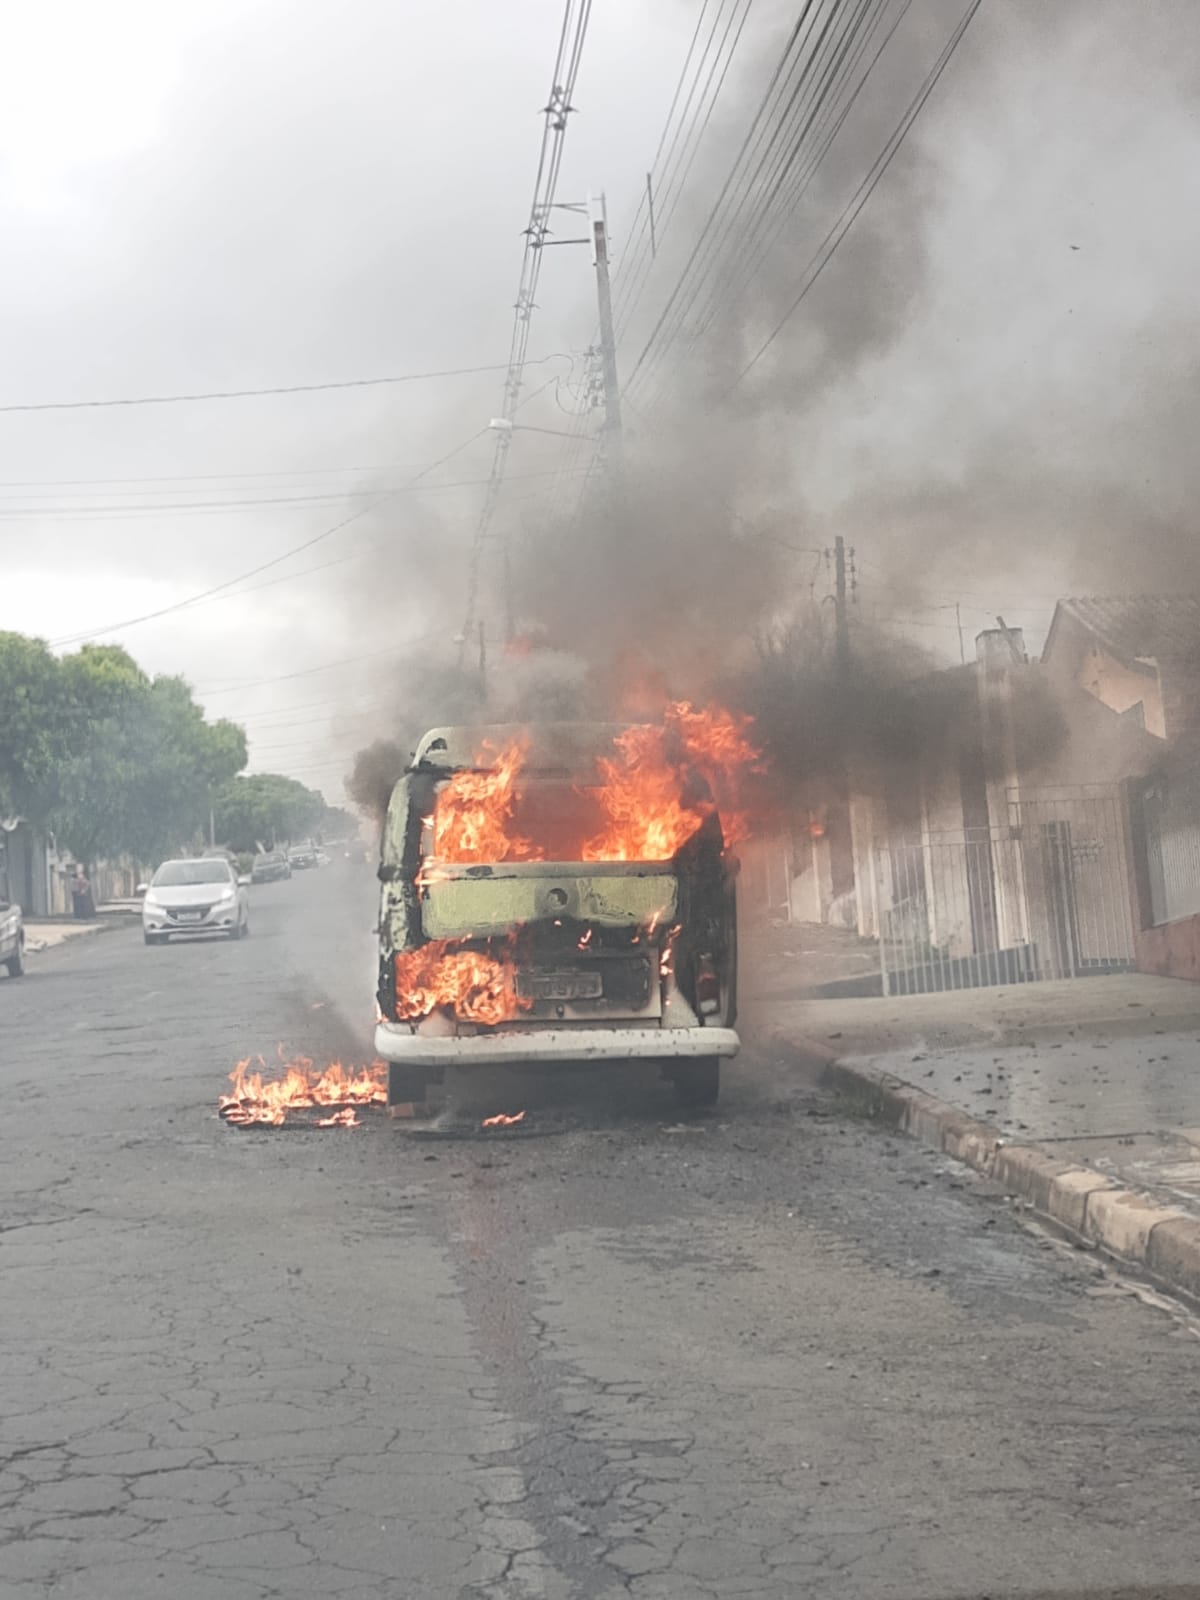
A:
[(303, 856), (12, 939), (202, 895), (270, 866)]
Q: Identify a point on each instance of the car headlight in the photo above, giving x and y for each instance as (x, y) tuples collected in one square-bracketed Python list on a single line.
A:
[(150, 902), (228, 897)]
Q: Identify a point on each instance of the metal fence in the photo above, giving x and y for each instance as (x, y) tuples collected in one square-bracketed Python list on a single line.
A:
[(1047, 896)]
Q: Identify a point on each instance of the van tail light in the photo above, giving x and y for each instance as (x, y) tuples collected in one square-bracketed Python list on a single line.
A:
[(708, 987)]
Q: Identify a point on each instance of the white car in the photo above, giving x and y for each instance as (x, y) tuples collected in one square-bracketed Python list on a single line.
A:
[(195, 896), (12, 939)]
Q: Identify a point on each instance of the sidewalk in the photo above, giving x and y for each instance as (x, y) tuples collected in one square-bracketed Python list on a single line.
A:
[(48, 934), (1097, 1080), (40, 936)]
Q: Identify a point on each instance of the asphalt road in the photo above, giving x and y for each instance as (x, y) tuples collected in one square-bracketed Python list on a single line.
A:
[(768, 1353)]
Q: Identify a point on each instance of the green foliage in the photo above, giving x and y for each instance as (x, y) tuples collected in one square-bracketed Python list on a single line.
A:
[(38, 725), (108, 759), (266, 809), (336, 822)]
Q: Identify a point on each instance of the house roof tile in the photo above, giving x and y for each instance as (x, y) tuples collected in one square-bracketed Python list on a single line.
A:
[(1139, 627)]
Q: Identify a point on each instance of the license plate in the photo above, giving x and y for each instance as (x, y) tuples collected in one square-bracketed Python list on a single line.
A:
[(560, 985), (189, 916)]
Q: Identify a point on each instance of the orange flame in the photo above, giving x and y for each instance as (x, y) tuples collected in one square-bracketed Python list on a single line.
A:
[(347, 1117), (258, 1100), (649, 816), (643, 795), (478, 987), (503, 1120), (472, 814), (718, 743)]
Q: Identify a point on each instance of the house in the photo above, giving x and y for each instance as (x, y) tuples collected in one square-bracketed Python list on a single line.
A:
[(36, 874), (1001, 850), (1027, 818), (27, 867), (1140, 657)]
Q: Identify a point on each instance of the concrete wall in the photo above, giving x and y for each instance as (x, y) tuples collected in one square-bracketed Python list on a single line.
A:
[(27, 870), (764, 881), (1120, 688), (1170, 951)]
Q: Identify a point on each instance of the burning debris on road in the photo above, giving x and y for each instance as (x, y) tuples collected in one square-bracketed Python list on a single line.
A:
[(258, 1101)]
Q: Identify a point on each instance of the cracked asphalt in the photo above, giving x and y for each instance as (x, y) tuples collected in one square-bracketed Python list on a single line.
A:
[(773, 1352)]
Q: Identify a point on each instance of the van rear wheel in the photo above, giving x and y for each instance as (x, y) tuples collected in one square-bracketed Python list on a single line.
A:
[(406, 1085), (697, 1083)]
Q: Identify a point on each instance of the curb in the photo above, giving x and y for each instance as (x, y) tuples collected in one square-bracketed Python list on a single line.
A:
[(1132, 1228), (35, 947)]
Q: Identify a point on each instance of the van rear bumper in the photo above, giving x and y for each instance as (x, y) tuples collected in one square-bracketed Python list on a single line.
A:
[(568, 1046)]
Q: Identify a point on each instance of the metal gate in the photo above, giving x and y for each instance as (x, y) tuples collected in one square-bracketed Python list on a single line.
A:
[(1046, 896), (1169, 808)]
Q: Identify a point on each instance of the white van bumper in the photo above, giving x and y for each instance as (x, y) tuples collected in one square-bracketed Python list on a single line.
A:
[(569, 1046)]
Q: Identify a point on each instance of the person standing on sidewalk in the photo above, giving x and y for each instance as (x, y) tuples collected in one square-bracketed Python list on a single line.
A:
[(81, 896)]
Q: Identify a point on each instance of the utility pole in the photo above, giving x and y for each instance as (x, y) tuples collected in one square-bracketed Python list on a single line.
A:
[(608, 343), (597, 237), (842, 634)]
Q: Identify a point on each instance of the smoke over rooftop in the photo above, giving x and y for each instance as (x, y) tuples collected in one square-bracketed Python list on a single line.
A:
[(988, 390)]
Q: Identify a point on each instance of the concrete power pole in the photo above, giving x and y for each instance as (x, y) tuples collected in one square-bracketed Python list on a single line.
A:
[(608, 343), (842, 634)]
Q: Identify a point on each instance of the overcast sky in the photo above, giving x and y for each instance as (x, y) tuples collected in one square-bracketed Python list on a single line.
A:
[(289, 191)]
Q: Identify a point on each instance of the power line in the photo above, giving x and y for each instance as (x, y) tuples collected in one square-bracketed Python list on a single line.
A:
[(241, 394), (643, 212), (673, 184), (312, 708), (174, 478), (327, 666), (805, 77), (635, 254), (98, 511), (253, 572), (865, 190), (790, 179)]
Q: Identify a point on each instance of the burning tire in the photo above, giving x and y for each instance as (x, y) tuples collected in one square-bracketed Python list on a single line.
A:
[(697, 1083)]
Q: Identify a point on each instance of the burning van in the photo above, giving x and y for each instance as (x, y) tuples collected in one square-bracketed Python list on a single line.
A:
[(562, 894)]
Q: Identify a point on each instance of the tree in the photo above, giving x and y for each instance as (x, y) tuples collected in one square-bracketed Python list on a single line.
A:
[(335, 822), (108, 759), (264, 808), (140, 780), (39, 725)]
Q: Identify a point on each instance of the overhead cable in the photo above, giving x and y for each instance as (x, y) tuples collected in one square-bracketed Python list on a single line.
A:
[(242, 394)]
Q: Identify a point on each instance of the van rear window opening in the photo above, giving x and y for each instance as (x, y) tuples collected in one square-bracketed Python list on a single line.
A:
[(547, 819), (638, 805)]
